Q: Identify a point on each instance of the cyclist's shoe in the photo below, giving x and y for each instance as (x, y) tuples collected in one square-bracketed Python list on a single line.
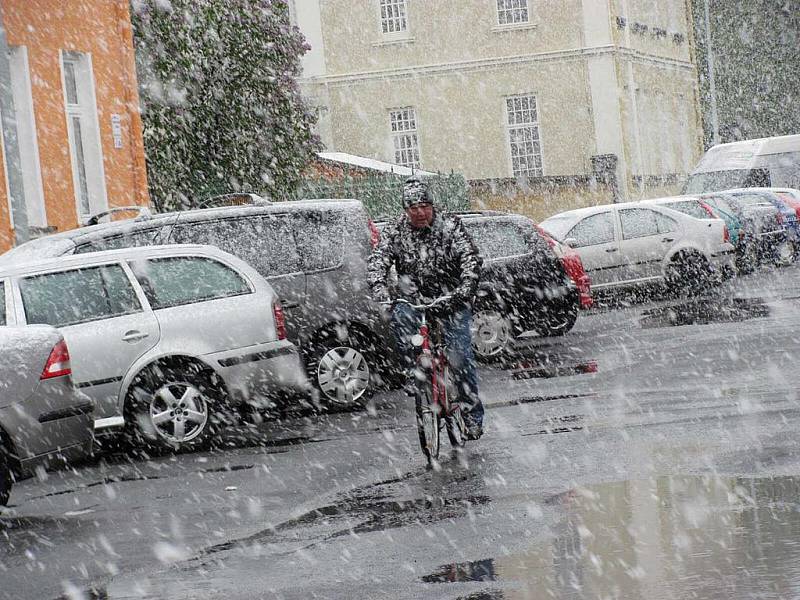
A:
[(474, 431)]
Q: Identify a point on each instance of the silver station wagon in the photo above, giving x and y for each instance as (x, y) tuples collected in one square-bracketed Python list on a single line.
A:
[(162, 338)]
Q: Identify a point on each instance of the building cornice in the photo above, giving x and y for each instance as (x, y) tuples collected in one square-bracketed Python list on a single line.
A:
[(502, 61)]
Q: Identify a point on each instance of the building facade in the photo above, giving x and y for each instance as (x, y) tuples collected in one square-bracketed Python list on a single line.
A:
[(76, 105), (530, 100)]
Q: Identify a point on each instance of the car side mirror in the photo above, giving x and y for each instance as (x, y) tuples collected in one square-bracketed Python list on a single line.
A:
[(571, 242)]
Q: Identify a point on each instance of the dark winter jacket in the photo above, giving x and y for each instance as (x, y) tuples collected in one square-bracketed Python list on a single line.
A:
[(430, 262)]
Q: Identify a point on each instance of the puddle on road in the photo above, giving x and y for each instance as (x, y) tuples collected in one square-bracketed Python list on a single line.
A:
[(563, 424), (476, 570), (705, 312), (551, 367), (669, 537), (359, 514)]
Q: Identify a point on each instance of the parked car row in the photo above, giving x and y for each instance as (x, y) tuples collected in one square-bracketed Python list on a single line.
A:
[(313, 253), (685, 241), (642, 242), (762, 222)]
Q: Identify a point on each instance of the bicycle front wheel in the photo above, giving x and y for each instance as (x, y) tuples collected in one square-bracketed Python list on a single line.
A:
[(428, 426), (456, 428)]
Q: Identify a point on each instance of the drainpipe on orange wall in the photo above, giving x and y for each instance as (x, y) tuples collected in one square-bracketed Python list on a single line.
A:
[(135, 137)]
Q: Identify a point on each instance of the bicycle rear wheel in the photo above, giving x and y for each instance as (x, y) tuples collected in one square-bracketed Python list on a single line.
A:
[(428, 425)]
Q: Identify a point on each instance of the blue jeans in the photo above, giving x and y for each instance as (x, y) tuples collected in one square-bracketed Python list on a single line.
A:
[(458, 348)]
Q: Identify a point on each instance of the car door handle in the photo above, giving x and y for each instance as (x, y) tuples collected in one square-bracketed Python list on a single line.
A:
[(667, 239), (611, 249), (134, 336)]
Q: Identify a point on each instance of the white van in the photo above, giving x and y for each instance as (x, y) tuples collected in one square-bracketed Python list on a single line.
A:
[(766, 162)]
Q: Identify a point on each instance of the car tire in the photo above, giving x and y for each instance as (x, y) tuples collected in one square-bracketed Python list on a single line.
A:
[(174, 406), (747, 258), (342, 364), (6, 477), (559, 321), (689, 273), (493, 334)]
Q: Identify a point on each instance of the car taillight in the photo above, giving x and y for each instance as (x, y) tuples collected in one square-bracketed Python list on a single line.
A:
[(280, 320), (374, 234), (58, 363), (726, 236)]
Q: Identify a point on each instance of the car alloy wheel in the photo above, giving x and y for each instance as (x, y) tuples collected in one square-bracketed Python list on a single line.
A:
[(178, 412), (784, 254), (491, 333), (343, 375)]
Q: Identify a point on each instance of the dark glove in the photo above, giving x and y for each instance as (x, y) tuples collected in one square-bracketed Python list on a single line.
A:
[(442, 310)]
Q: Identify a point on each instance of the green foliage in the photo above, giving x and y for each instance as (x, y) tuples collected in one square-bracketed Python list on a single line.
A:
[(221, 107), (382, 193)]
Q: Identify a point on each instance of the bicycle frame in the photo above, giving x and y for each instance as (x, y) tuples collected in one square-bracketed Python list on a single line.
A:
[(432, 397), (434, 355)]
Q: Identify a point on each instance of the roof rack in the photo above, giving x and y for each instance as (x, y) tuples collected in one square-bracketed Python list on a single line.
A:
[(142, 212), (235, 199)]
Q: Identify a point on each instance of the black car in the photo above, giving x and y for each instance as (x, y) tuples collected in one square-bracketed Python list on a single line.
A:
[(523, 286)]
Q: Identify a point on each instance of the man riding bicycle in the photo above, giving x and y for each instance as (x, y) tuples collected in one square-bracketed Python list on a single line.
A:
[(434, 258)]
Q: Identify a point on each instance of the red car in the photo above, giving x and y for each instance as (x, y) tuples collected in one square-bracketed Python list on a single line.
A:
[(573, 266)]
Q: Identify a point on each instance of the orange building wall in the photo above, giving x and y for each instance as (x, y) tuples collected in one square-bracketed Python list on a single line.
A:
[(101, 28)]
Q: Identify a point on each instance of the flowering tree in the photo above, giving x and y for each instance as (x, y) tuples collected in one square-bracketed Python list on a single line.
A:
[(221, 106)]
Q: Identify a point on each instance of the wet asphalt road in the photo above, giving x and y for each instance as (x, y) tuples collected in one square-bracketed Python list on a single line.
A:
[(650, 453)]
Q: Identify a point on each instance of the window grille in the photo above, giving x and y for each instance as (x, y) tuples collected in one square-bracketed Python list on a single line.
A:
[(510, 12), (523, 136), (403, 123)]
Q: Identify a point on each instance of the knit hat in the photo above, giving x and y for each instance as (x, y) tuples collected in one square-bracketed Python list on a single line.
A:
[(415, 191)]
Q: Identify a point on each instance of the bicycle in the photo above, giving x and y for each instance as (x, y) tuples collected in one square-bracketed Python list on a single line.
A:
[(433, 387)]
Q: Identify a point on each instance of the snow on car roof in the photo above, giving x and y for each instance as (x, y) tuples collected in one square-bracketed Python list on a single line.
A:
[(18, 267), (371, 163)]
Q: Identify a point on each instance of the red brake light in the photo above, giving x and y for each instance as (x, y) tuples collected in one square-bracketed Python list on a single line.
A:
[(280, 320), (726, 236), (374, 234), (58, 363)]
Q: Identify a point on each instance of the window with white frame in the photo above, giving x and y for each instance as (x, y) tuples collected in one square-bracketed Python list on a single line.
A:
[(404, 137), (26, 138), (84, 135), (393, 16), (510, 12), (523, 136)]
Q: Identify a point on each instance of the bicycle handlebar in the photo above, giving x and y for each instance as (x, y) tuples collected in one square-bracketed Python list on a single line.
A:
[(417, 306)]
